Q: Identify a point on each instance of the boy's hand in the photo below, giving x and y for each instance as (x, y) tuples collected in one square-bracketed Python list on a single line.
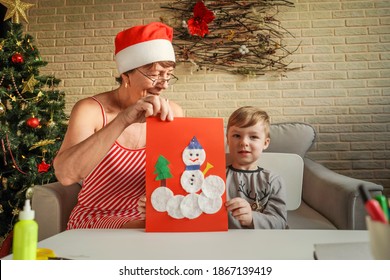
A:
[(241, 210)]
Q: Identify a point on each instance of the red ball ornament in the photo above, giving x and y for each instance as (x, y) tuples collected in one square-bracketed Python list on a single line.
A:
[(33, 122), (17, 58)]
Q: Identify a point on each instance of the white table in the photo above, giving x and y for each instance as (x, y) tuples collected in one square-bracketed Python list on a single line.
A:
[(123, 244)]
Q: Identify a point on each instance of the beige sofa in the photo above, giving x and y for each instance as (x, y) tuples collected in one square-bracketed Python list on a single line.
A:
[(329, 200)]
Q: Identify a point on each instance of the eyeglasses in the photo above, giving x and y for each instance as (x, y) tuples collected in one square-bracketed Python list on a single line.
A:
[(173, 79)]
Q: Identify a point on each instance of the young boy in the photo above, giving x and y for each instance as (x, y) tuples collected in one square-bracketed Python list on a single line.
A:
[(256, 197)]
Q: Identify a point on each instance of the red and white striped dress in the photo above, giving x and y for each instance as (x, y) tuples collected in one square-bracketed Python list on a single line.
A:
[(109, 194)]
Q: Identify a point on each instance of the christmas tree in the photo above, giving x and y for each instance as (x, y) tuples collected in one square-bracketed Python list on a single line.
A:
[(32, 120)]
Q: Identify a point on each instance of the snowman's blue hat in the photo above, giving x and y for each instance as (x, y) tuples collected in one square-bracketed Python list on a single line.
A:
[(194, 144)]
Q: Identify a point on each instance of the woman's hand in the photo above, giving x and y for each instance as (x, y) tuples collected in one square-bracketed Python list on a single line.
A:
[(134, 224), (150, 105), (142, 206), (142, 209), (241, 210)]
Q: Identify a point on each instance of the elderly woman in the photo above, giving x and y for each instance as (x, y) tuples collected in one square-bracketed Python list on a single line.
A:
[(104, 146)]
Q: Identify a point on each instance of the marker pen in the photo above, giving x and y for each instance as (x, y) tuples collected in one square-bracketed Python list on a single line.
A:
[(372, 206), (384, 205)]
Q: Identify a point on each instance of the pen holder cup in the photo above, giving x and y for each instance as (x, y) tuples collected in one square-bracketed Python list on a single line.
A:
[(379, 234)]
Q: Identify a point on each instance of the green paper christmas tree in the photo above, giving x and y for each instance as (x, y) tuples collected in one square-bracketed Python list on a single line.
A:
[(32, 123), (162, 170)]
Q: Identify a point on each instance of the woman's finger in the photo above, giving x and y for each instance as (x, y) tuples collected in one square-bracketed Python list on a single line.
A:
[(151, 105), (166, 112)]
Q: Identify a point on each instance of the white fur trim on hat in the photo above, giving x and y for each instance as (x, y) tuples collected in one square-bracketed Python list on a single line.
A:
[(144, 53)]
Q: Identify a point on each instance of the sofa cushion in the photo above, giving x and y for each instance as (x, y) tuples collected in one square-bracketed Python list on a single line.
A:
[(295, 138), (290, 167), (306, 217), (53, 204)]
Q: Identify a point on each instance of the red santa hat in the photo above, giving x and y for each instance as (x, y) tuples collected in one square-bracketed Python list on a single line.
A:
[(143, 44)]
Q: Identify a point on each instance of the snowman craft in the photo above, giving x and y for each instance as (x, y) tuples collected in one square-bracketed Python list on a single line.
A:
[(204, 194)]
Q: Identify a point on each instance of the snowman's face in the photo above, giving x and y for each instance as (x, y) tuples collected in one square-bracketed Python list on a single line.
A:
[(193, 156)]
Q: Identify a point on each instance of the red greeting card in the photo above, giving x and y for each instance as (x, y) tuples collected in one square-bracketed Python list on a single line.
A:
[(185, 175)]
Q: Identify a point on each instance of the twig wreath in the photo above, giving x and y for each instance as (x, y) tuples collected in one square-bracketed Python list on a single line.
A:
[(240, 37)]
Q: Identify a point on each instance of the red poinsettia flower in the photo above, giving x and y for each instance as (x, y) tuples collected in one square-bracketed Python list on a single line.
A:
[(43, 167), (197, 25)]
